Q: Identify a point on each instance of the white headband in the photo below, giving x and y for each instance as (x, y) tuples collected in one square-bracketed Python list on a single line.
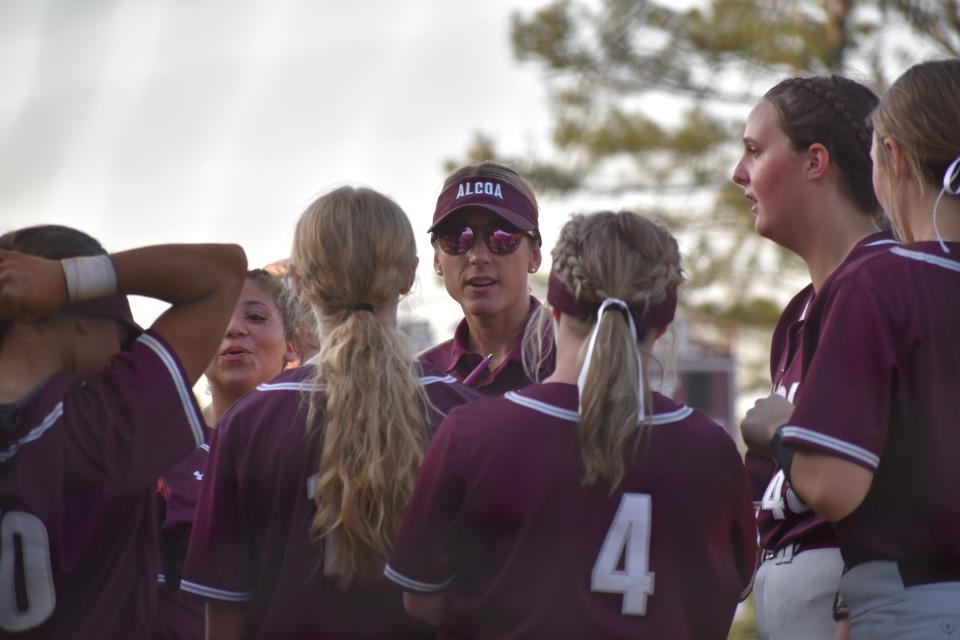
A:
[(951, 174)]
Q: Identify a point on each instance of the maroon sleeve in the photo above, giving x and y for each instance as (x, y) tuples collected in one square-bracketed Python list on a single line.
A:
[(139, 418), (221, 555), (843, 406), (425, 552)]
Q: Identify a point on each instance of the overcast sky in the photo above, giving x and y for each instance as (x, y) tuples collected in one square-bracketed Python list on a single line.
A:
[(162, 121)]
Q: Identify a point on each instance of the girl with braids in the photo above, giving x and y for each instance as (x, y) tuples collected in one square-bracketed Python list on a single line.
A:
[(806, 168), (309, 473), (257, 346), (587, 506), (872, 441), (487, 278)]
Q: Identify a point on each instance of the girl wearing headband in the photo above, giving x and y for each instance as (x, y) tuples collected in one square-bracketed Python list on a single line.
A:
[(87, 426), (806, 169), (872, 442), (309, 473), (566, 509), (486, 243)]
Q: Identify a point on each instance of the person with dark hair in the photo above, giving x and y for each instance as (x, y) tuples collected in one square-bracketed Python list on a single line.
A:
[(309, 474), (870, 442), (806, 168), (257, 346), (92, 412), (587, 506), (486, 241)]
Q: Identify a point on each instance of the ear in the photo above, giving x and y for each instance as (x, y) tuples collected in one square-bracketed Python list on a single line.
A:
[(895, 154), (437, 269), (535, 258), (411, 278), (816, 161), (289, 353)]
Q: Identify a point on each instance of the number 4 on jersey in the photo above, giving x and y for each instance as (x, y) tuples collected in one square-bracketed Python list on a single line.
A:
[(629, 538)]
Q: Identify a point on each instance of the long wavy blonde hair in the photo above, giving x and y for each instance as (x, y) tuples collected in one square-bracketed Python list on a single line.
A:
[(355, 247), (614, 255)]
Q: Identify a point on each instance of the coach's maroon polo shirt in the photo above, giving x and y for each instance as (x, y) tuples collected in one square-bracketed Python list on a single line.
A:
[(501, 523), (79, 460), (251, 535), (782, 518), (882, 390), (455, 358)]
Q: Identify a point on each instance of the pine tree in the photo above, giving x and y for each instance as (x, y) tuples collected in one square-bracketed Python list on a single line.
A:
[(648, 103)]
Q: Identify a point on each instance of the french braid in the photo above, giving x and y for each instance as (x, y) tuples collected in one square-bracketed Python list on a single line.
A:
[(827, 91), (833, 111), (626, 256)]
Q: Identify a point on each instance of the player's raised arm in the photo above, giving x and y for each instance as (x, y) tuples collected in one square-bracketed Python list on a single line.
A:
[(89, 418), (201, 281)]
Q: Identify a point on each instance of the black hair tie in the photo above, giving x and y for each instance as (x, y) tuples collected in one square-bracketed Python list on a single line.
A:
[(362, 306)]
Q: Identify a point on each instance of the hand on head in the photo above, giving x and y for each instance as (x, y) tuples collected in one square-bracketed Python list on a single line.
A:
[(30, 286)]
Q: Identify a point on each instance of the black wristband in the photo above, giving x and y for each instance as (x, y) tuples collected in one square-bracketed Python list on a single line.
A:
[(782, 452)]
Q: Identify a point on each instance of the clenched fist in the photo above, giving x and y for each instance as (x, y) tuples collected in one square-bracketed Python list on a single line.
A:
[(30, 287), (762, 421)]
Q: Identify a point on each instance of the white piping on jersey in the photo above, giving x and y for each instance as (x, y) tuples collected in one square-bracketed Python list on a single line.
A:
[(938, 261), (216, 594), (186, 396), (572, 416), (205, 447), (877, 243), (416, 585), (312, 386), (542, 407), (34, 433), (447, 379), (834, 444), (290, 386)]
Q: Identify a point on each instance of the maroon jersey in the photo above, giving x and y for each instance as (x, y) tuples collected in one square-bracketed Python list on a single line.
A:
[(782, 518), (251, 537), (882, 391), (78, 465), (455, 358), (181, 614), (501, 522)]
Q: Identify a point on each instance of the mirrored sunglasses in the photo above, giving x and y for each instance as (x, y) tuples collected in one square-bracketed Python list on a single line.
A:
[(458, 240)]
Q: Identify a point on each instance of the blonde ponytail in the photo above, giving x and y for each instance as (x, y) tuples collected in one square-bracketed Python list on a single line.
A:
[(354, 251)]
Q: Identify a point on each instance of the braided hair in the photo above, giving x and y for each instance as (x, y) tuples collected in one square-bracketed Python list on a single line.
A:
[(835, 112), (614, 255)]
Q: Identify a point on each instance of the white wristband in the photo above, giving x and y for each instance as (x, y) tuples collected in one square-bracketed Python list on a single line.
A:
[(89, 277)]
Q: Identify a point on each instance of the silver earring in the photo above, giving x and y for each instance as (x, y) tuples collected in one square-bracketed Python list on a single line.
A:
[(532, 270), (438, 271)]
